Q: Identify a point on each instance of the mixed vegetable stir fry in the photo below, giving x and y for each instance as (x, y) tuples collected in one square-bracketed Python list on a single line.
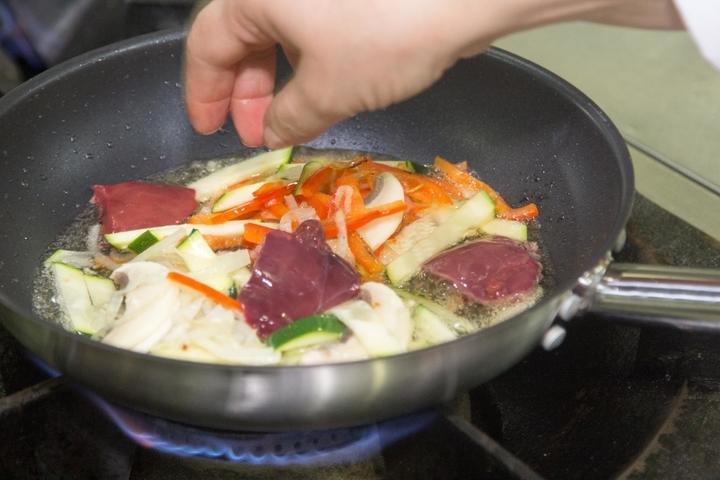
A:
[(270, 261)]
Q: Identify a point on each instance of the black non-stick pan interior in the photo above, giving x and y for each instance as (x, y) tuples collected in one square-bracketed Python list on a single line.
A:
[(121, 116)]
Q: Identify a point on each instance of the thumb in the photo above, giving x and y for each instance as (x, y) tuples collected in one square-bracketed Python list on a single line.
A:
[(303, 109)]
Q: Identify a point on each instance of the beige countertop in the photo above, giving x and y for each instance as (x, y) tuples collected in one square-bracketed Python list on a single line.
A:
[(662, 95)]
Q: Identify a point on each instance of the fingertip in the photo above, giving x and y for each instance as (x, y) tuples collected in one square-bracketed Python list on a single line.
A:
[(273, 140), (203, 129), (249, 141), (207, 119), (248, 116), (283, 124)]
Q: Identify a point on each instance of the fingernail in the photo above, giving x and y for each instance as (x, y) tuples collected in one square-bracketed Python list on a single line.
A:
[(205, 130), (272, 139)]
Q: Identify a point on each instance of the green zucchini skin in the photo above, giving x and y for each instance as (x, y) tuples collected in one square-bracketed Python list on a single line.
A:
[(471, 215), (263, 164), (309, 331), (144, 241), (81, 296)]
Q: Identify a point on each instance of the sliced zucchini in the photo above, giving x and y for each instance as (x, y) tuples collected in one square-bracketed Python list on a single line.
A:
[(100, 289), (401, 164), (430, 328), (323, 159), (289, 172), (471, 215), (195, 251), (199, 257), (307, 332), (420, 168), (407, 165), (387, 189), (121, 240), (221, 283), (456, 323), (368, 327), (70, 257), (506, 228), (81, 297), (263, 164), (308, 169), (142, 242), (241, 277), (236, 197)]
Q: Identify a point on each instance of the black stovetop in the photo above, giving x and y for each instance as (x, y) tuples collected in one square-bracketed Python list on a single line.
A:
[(612, 401)]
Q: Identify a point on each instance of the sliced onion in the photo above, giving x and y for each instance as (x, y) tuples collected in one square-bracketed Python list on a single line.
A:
[(298, 216), (342, 245), (136, 274), (220, 315), (147, 318), (112, 308), (347, 351), (106, 262), (189, 307), (343, 198), (246, 355), (184, 351), (291, 202)]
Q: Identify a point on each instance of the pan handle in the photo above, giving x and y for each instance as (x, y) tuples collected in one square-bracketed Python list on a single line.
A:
[(685, 298)]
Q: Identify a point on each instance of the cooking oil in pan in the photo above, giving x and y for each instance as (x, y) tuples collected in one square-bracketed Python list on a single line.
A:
[(76, 237)]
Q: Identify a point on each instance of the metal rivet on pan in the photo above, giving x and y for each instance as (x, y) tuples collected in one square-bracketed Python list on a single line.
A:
[(620, 241), (553, 337), (570, 306)]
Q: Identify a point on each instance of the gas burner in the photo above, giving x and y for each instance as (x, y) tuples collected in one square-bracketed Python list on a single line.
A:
[(323, 447), (320, 447)]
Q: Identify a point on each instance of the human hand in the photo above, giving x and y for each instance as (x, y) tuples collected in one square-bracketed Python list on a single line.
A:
[(348, 57), (353, 55)]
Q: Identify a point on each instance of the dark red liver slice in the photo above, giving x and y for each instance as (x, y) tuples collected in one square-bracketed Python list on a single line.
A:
[(488, 270), (133, 205), (295, 275)]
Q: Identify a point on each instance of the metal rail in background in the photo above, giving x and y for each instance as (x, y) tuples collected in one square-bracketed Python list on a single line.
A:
[(674, 166)]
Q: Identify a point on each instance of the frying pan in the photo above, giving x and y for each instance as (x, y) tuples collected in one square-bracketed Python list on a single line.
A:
[(117, 114)]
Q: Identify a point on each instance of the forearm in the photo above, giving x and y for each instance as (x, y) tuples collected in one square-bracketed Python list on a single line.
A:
[(501, 17), (355, 55)]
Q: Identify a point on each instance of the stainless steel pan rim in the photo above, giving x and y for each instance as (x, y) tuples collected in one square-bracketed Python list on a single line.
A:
[(56, 73), (330, 395)]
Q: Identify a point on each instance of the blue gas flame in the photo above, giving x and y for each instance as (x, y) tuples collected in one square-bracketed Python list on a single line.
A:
[(336, 446), (306, 448)]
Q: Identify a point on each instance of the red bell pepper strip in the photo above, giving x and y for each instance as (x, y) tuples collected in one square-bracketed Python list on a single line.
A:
[(357, 220), (370, 267), (473, 185), (245, 209), (255, 234)]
